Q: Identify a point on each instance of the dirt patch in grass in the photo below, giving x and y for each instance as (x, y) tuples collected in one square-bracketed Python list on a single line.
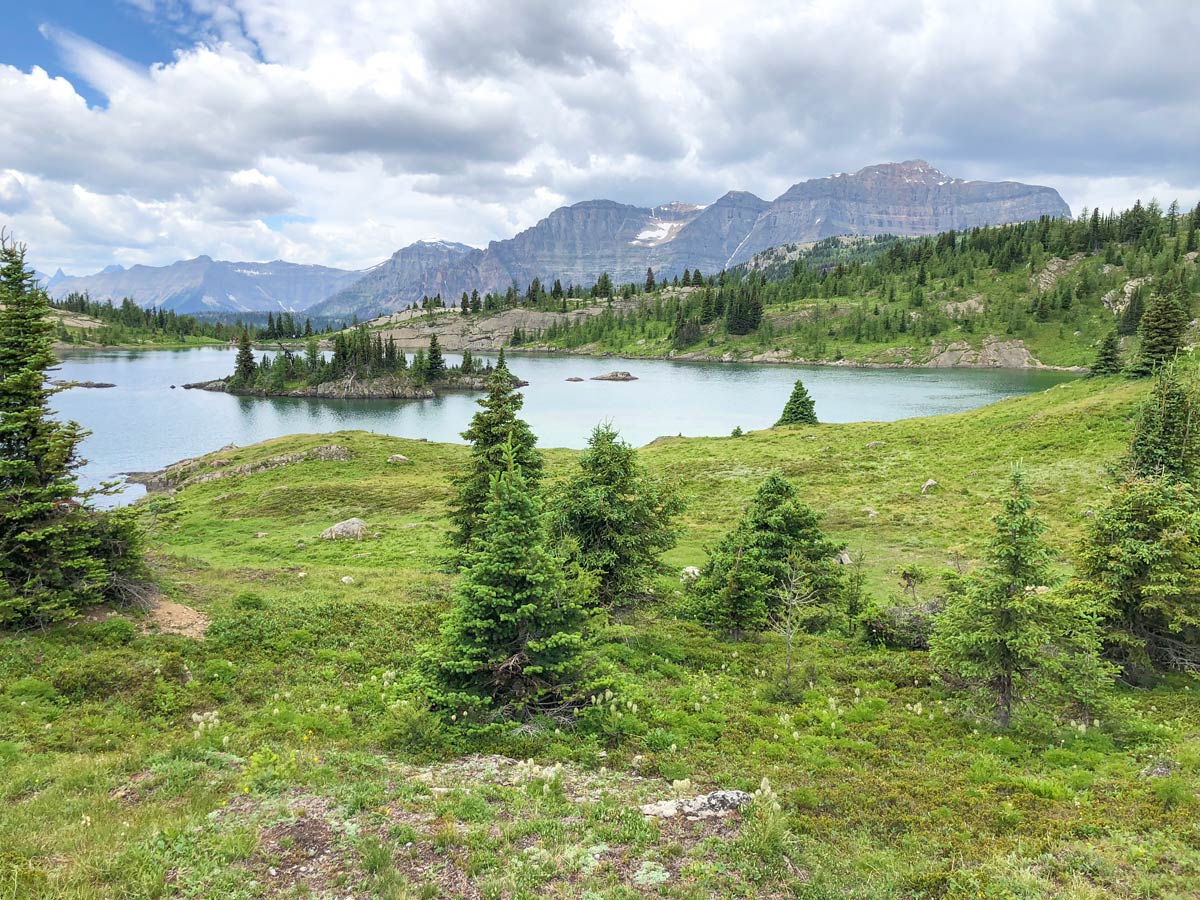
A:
[(304, 855), (165, 616)]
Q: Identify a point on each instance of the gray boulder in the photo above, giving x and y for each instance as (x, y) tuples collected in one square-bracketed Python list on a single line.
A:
[(351, 528), (716, 805)]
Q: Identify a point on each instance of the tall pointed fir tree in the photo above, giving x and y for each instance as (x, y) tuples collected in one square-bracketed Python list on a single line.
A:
[(1160, 333), (245, 368), (435, 363), (1003, 633), (1166, 437), (1108, 357), (800, 409), (56, 556), (492, 428), (512, 644)]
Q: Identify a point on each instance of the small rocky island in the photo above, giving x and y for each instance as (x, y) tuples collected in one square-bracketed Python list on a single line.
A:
[(615, 376), (362, 367)]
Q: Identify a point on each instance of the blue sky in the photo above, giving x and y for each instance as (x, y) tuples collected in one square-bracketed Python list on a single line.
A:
[(335, 133), (117, 25)]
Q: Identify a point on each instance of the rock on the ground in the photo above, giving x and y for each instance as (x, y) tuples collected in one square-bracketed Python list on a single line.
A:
[(995, 353), (928, 486), (399, 459), (351, 528), (874, 445), (347, 579), (615, 376), (689, 574), (844, 558), (707, 806)]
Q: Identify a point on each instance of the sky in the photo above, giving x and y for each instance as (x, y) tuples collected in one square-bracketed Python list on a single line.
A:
[(145, 131)]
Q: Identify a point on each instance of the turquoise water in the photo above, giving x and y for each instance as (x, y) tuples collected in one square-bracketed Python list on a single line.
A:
[(144, 424)]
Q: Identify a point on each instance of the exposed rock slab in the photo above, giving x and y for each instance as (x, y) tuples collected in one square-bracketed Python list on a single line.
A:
[(716, 805), (615, 376)]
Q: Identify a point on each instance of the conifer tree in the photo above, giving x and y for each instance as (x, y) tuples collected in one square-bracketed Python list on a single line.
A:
[(800, 409), (245, 367), (1160, 334), (650, 283), (435, 363), (1140, 562), (616, 518), (1003, 633), (56, 555), (778, 537), (1108, 357), (512, 645), (1166, 438), (494, 428)]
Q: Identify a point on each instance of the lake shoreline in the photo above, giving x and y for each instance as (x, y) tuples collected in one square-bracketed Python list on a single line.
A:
[(790, 362)]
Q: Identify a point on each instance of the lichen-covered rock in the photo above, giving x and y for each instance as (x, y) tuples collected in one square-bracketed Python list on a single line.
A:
[(928, 486), (615, 376), (707, 806), (399, 459), (355, 529)]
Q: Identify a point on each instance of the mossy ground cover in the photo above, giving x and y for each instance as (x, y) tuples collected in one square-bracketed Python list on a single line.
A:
[(281, 754)]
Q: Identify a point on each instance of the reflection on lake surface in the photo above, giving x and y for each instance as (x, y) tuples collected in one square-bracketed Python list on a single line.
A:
[(144, 424)]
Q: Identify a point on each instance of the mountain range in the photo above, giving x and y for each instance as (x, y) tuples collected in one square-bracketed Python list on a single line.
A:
[(574, 244)]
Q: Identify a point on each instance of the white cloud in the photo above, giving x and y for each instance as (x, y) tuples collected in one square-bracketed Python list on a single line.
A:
[(388, 122)]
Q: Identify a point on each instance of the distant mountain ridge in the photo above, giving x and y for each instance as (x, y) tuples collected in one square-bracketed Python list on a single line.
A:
[(574, 244), (207, 285)]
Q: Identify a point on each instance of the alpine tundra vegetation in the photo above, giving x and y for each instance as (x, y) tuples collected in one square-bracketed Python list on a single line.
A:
[(501, 631)]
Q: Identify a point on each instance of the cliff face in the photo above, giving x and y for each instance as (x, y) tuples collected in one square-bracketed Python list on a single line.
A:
[(207, 285), (909, 198), (574, 244), (422, 269)]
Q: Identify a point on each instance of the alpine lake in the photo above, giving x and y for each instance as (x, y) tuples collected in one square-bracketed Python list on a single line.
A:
[(148, 421)]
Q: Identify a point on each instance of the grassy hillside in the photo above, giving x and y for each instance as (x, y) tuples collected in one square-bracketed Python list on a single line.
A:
[(276, 755)]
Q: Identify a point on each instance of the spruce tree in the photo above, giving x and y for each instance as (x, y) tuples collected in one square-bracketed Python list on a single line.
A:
[(435, 363), (1166, 438), (1108, 357), (1160, 334), (1003, 633), (617, 520), (53, 551), (245, 368), (800, 409), (1140, 561), (778, 537), (1131, 316), (494, 427), (512, 644), (650, 283)]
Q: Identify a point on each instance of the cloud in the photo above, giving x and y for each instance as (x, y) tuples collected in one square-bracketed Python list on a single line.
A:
[(13, 196), (356, 133)]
